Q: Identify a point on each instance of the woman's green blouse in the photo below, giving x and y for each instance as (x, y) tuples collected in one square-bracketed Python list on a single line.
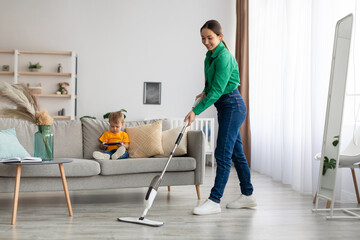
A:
[(221, 76)]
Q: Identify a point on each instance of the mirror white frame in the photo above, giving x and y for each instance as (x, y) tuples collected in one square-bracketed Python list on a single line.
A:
[(330, 152)]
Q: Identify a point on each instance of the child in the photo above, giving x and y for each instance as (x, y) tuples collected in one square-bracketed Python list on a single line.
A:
[(118, 151)]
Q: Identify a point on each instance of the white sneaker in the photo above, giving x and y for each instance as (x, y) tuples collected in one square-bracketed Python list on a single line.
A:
[(243, 202), (119, 152), (208, 207), (101, 156)]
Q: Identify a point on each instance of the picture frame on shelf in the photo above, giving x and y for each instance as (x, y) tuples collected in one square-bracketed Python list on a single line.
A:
[(5, 68), (152, 93)]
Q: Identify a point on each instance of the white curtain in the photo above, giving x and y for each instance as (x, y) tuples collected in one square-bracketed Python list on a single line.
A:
[(280, 90), (291, 45)]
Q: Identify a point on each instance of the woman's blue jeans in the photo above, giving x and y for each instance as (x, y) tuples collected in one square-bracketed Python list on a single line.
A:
[(231, 114)]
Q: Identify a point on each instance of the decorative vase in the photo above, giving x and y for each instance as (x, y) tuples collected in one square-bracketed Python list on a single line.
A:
[(44, 143), (34, 69)]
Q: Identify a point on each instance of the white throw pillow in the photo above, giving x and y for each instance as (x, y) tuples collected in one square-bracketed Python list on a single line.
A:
[(169, 138)]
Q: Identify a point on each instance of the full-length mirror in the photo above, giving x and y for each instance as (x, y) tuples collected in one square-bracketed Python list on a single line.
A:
[(334, 111)]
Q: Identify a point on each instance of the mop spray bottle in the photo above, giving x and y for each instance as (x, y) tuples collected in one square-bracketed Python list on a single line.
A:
[(151, 194)]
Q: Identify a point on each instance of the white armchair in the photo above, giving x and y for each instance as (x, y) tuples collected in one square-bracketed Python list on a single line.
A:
[(349, 158)]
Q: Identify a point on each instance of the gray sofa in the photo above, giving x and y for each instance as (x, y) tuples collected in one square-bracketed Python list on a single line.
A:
[(76, 140)]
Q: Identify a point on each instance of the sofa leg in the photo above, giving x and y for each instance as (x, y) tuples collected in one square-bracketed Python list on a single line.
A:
[(198, 191), (314, 201), (328, 203), (355, 185), (169, 188)]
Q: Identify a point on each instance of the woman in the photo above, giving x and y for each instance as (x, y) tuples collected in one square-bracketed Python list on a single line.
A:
[(221, 83)]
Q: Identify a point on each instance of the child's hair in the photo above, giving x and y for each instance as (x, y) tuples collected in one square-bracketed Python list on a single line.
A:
[(214, 26), (116, 117)]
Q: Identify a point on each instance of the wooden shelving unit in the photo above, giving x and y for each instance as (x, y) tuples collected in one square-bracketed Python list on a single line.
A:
[(44, 74), (53, 95), (6, 73), (70, 76), (7, 51), (62, 117), (55, 117), (66, 53)]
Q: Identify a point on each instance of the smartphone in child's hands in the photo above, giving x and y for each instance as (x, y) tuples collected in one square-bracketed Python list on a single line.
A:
[(114, 143)]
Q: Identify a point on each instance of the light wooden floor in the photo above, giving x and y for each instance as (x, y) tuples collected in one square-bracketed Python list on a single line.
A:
[(282, 214)]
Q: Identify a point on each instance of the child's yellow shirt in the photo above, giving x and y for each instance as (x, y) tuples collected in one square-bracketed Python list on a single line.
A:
[(110, 137)]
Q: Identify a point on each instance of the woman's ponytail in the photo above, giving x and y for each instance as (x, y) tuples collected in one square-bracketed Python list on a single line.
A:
[(225, 45)]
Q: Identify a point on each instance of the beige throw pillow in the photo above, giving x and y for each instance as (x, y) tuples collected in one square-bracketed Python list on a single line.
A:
[(145, 140), (168, 142)]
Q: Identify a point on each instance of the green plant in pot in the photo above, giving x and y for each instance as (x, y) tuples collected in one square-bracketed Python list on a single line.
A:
[(34, 67)]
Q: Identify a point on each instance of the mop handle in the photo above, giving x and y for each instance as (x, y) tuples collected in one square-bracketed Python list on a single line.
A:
[(172, 152), (178, 140)]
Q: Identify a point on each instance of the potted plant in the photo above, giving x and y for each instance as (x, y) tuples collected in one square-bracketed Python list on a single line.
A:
[(34, 67)]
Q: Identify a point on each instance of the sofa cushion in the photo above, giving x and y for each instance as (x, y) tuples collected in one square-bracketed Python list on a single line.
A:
[(68, 142), (77, 168), (10, 145), (67, 136), (94, 128), (146, 165), (145, 140)]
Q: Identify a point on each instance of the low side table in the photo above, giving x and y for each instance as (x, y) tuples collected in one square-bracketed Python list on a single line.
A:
[(58, 161)]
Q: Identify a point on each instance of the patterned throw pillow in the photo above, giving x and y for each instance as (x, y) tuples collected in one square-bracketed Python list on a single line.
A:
[(145, 140), (169, 138)]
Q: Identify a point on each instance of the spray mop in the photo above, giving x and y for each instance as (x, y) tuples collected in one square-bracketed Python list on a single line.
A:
[(154, 185)]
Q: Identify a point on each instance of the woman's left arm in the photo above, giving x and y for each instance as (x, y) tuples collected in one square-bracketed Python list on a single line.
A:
[(223, 70)]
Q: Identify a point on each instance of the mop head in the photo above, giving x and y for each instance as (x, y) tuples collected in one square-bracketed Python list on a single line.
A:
[(143, 221)]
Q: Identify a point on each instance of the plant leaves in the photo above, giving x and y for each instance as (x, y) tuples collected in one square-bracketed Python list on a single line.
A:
[(87, 117)]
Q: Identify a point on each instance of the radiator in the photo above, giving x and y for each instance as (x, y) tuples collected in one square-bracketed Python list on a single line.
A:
[(208, 128)]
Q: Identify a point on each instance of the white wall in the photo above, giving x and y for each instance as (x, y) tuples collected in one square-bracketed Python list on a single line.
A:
[(121, 44)]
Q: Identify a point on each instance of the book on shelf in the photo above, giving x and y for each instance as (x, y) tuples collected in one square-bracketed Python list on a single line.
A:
[(21, 160)]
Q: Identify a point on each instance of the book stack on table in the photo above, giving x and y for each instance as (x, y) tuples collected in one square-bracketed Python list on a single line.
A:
[(21, 160)]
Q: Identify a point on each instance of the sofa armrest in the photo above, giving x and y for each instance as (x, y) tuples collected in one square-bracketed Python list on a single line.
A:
[(196, 149)]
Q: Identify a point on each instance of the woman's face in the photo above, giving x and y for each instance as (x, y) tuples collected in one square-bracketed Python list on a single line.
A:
[(210, 39)]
